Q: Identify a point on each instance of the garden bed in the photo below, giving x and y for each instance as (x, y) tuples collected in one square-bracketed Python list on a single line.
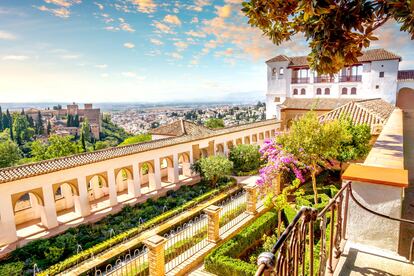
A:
[(113, 229)]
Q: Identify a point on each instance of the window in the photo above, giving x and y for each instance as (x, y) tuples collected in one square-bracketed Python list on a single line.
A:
[(344, 91), (277, 99), (381, 74), (353, 91), (319, 91), (295, 91), (376, 86), (273, 71), (327, 91), (303, 91), (281, 71)]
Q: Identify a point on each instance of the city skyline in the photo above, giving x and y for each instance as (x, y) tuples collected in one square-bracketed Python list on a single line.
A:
[(141, 51)]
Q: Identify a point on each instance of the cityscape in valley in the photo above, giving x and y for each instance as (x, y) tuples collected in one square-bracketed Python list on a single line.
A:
[(223, 137)]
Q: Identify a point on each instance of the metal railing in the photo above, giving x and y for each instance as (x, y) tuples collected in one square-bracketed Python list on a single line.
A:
[(130, 264), (185, 241), (295, 253), (233, 211), (300, 80), (323, 79), (353, 78)]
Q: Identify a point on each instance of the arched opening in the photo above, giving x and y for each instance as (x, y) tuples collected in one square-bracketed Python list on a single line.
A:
[(247, 140), (204, 152), (272, 133), (405, 98), (220, 149), (344, 91), (184, 165), (167, 170), (147, 174), (66, 194), (28, 211), (124, 184), (254, 138), (267, 134), (98, 191), (261, 136), (239, 141), (230, 145)]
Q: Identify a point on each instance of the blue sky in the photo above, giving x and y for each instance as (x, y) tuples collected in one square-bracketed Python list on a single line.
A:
[(140, 50)]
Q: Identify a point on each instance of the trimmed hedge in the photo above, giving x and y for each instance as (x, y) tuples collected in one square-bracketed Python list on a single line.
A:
[(223, 260), (41, 251)]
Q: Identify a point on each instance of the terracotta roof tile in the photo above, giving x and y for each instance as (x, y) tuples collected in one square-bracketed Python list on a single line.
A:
[(374, 112), (368, 55), (179, 128), (315, 103), (406, 75), (54, 165)]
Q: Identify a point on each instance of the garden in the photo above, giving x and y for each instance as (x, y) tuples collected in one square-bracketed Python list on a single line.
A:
[(302, 167)]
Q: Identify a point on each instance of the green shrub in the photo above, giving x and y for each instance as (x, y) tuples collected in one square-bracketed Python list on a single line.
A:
[(95, 237), (223, 260), (215, 168), (14, 268), (245, 158)]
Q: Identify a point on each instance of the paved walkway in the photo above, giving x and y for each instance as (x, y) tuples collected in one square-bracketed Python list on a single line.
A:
[(407, 231), (364, 260)]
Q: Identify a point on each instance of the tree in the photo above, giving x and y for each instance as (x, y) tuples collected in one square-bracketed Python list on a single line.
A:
[(20, 129), (48, 128), (86, 130), (136, 139), (69, 121), (76, 121), (1, 120), (245, 158), (39, 124), (357, 146), (38, 150), (214, 168), (336, 31), (214, 123), (313, 143), (9, 153), (57, 146)]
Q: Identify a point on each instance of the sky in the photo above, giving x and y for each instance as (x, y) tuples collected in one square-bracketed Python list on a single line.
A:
[(141, 51)]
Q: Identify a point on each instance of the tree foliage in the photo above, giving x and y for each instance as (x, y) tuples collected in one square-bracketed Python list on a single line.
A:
[(215, 167), (245, 158), (337, 31), (137, 139), (57, 146), (9, 151), (312, 142), (214, 123)]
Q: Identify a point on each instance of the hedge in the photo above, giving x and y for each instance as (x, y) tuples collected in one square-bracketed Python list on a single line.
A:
[(37, 251), (223, 260)]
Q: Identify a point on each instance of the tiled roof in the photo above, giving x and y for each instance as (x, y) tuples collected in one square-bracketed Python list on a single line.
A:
[(315, 103), (368, 55), (179, 128), (53, 165), (374, 112), (406, 75)]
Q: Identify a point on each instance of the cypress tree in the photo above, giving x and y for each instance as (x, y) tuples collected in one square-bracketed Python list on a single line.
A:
[(76, 121), (39, 124), (69, 121), (49, 128), (22, 113), (1, 120)]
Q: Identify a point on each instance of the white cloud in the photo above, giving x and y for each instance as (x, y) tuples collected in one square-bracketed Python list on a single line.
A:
[(156, 41), (129, 45), (144, 6), (126, 27), (195, 34), (132, 75), (223, 11), (69, 56), (176, 55), (15, 57), (199, 5), (194, 20), (181, 46), (163, 27), (7, 36), (172, 19), (63, 3), (101, 66), (100, 6), (60, 12)]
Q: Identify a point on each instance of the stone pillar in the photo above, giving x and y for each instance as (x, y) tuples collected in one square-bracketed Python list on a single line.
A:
[(81, 201), (7, 223), (48, 213), (213, 232), (134, 186), (113, 200), (173, 173), (251, 199), (226, 149), (157, 174), (156, 256)]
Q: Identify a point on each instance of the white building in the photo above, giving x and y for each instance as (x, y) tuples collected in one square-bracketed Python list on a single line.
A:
[(376, 75)]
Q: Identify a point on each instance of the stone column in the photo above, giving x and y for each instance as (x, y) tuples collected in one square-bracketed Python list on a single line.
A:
[(113, 200), (213, 232), (134, 186), (7, 223), (156, 256), (157, 174), (81, 201), (251, 191), (173, 173), (226, 149), (48, 213)]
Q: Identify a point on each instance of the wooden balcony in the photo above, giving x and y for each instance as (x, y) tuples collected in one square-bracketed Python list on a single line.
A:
[(300, 80), (355, 78)]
